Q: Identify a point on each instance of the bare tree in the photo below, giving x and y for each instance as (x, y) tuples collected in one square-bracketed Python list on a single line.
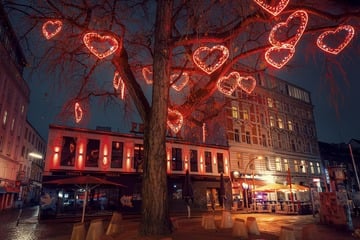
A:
[(207, 40)]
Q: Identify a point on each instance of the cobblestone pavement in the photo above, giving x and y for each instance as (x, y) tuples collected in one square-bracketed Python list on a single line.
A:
[(29, 228)]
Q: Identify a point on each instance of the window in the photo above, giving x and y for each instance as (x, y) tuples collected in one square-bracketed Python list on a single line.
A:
[(248, 137), (68, 151), (12, 125), (278, 164), (245, 115), (267, 163), (193, 160), (318, 168), (280, 123), (235, 112), (272, 121), (92, 153), (208, 163), (286, 164), (263, 139), (237, 135), (220, 162), (270, 102), (176, 163), (138, 157), (117, 154), (296, 166), (312, 170), (290, 126), (5, 118), (303, 166)]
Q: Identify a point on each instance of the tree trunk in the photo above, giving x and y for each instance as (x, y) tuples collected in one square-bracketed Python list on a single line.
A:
[(155, 215)]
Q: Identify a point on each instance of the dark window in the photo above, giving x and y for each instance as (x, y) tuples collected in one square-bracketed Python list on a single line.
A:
[(138, 157), (92, 153), (208, 163), (248, 137), (193, 161), (237, 135), (117, 154), (68, 151), (220, 162), (176, 163)]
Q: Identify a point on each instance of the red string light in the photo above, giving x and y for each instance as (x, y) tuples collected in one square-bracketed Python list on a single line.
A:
[(279, 56), (174, 120), (119, 84), (210, 59), (78, 112), (101, 45), (348, 31), (247, 84), (228, 84), (179, 82), (147, 74), (273, 9), (51, 28)]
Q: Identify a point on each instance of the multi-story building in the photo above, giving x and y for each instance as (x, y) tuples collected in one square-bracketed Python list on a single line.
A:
[(272, 137), (118, 157), (14, 100)]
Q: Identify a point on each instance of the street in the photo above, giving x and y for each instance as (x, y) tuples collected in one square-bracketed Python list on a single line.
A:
[(28, 227)]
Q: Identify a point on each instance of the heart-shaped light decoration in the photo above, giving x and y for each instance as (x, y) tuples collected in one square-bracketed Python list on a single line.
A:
[(78, 112), (210, 59), (247, 84), (51, 28), (148, 75), (174, 120), (101, 45), (228, 84), (273, 9), (342, 35), (119, 84), (179, 82), (298, 19), (279, 56)]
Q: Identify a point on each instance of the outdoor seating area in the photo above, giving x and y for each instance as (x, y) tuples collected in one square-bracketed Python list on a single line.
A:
[(286, 207)]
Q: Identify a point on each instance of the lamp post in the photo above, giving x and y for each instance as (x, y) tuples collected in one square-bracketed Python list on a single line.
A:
[(251, 162)]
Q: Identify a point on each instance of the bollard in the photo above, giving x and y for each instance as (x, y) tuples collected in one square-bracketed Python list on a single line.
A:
[(252, 226), (287, 233), (240, 229), (96, 230), (78, 231), (208, 221), (114, 225)]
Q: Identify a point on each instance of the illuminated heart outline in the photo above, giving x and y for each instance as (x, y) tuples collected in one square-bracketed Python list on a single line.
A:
[(174, 120), (50, 33), (208, 51), (292, 41), (180, 81), (284, 60), (90, 37), (247, 84), (350, 34), (118, 83), (78, 112), (147, 74), (228, 84), (274, 10)]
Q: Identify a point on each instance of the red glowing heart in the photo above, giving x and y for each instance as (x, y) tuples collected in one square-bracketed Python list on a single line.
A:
[(290, 31), (210, 59), (78, 112), (279, 56), (336, 40), (273, 9), (147, 74), (229, 83), (51, 28), (174, 120), (247, 84), (179, 82), (119, 84), (101, 45)]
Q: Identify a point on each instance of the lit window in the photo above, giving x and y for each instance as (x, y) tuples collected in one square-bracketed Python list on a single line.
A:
[(290, 126), (245, 115), (280, 123), (318, 168), (270, 102), (272, 122), (12, 124), (303, 166), (5, 117), (312, 168), (286, 164), (296, 166), (235, 112), (278, 164)]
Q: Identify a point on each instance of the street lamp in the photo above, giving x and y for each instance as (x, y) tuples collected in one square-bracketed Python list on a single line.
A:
[(251, 162)]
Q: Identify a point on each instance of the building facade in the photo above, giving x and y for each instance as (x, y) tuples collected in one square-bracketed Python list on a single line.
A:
[(14, 100), (119, 157), (272, 138)]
